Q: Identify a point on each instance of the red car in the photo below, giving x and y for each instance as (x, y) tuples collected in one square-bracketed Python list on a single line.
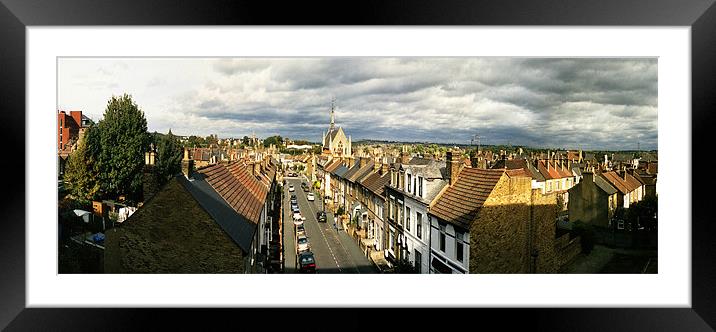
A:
[(306, 263)]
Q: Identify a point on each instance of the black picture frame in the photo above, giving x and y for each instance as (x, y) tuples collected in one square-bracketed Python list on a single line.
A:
[(16, 15)]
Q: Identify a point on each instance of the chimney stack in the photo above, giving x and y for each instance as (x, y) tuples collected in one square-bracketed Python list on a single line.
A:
[(363, 162), (452, 166), (474, 160), (588, 175), (187, 165), (150, 185), (149, 156), (404, 157)]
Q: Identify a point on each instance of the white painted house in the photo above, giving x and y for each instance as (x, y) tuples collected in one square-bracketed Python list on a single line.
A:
[(424, 179)]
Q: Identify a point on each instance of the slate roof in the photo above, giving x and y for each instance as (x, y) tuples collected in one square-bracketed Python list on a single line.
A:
[(239, 228), (331, 135), (461, 202), (604, 185), (622, 157), (332, 166), (185, 228), (645, 178), (351, 171), (419, 161), (376, 182), (361, 172), (340, 171), (235, 183), (364, 176)]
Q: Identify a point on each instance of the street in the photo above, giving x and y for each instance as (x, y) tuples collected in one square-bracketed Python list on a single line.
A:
[(334, 250)]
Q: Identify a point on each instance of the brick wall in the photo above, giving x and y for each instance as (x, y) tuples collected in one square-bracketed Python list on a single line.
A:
[(544, 212), (498, 237), (566, 250), (500, 240)]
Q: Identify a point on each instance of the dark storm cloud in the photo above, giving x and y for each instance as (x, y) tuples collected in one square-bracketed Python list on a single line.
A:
[(593, 103)]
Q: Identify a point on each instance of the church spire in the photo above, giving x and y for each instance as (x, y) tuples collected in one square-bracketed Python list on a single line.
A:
[(333, 116)]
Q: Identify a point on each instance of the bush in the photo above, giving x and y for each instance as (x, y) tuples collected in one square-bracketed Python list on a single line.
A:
[(340, 211), (586, 234), (404, 266)]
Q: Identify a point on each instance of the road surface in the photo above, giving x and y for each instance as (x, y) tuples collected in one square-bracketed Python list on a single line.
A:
[(334, 250)]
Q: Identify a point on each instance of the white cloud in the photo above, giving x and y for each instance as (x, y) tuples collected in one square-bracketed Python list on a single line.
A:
[(608, 103)]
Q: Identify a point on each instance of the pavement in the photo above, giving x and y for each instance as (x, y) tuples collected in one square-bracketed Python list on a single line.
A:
[(334, 250)]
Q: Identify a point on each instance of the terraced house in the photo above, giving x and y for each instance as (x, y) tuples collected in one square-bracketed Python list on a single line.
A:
[(219, 219), (424, 179), (491, 221)]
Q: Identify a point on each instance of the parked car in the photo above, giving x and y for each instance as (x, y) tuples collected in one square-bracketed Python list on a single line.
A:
[(321, 216), (302, 244), (290, 188), (300, 230), (295, 209), (306, 262), (310, 197), (298, 218)]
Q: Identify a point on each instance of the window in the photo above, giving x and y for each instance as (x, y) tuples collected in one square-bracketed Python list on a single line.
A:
[(459, 246), (420, 186), (410, 180), (390, 239), (407, 218), (418, 261), (419, 224), (442, 238)]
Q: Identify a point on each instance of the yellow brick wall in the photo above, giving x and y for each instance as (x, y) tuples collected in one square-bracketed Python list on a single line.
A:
[(499, 237)]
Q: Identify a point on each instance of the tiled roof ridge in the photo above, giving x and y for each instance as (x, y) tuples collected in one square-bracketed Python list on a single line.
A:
[(459, 203), (237, 185)]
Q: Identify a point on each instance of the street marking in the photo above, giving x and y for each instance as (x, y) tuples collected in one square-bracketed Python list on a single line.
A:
[(348, 254), (324, 236)]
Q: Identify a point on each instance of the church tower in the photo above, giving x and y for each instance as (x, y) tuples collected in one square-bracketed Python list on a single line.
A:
[(333, 116)]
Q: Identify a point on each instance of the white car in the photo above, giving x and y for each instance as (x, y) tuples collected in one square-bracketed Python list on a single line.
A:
[(302, 244), (298, 218), (291, 189), (311, 197)]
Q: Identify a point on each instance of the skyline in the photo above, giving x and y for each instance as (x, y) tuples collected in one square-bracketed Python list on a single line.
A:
[(589, 103)]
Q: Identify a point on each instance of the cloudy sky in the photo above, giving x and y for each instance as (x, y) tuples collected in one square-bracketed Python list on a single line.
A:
[(565, 103)]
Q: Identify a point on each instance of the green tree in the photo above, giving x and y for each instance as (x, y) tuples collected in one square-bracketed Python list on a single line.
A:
[(212, 140), (123, 141), (196, 141), (404, 266), (169, 156), (82, 170), (276, 140)]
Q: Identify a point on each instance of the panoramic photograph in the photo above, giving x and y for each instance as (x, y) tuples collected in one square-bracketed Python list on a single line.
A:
[(329, 165)]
